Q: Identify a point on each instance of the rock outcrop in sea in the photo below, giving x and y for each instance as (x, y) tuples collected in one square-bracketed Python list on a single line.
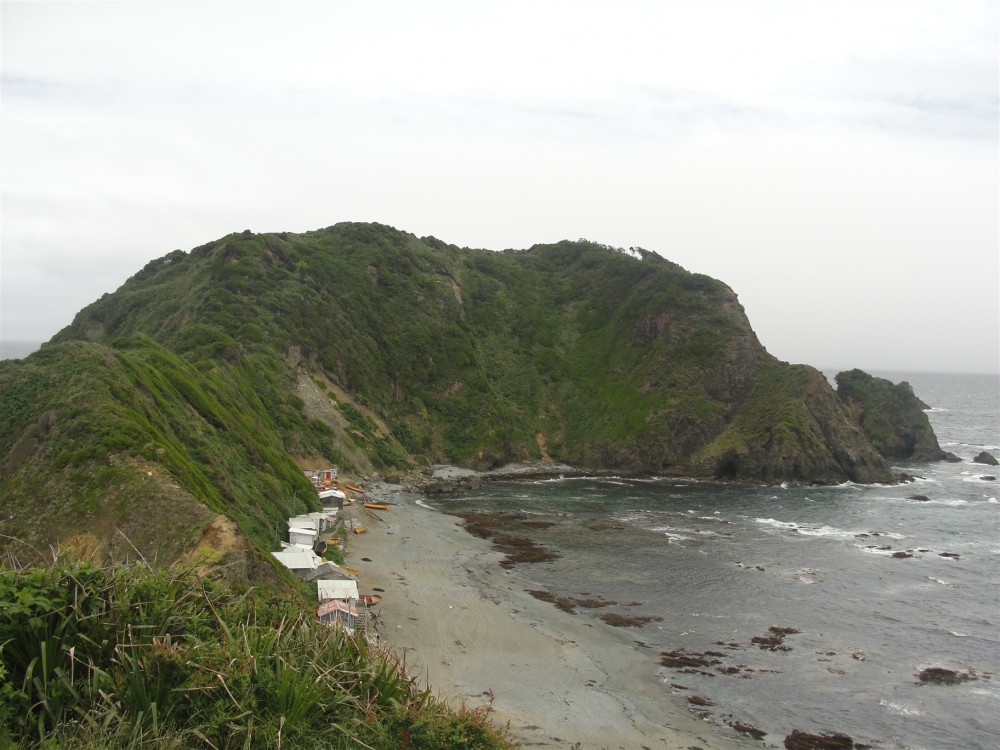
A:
[(893, 419)]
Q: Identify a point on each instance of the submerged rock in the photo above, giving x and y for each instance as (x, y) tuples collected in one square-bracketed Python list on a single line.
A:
[(748, 730), (942, 676), (804, 741)]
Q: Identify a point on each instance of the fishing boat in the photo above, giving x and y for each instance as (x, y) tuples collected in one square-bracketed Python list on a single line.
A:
[(377, 506), (354, 488), (369, 600), (360, 529)]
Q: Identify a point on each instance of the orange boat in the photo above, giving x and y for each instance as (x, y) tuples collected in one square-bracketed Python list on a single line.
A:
[(354, 488), (377, 506), (360, 529)]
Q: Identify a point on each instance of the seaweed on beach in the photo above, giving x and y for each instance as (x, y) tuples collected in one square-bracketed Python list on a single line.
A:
[(629, 621), (518, 549), (775, 638), (567, 604), (685, 661), (563, 603)]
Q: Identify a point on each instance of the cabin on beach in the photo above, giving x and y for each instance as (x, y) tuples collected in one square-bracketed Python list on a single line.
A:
[(317, 522), (338, 612), (336, 589), (298, 560), (322, 479), (332, 499), (305, 538), (328, 571)]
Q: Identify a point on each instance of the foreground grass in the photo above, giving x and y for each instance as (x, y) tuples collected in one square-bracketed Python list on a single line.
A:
[(129, 657)]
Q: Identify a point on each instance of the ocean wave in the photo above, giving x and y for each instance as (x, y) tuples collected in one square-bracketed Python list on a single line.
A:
[(899, 709), (938, 580), (876, 550), (422, 504), (806, 529), (675, 534)]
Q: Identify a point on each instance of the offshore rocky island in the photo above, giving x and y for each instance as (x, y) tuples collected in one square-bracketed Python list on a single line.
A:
[(172, 419)]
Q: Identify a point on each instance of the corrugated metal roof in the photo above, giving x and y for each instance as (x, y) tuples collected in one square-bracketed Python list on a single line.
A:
[(336, 589), (297, 559)]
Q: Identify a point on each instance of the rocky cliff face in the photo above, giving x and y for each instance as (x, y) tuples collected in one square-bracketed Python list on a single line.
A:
[(891, 416)]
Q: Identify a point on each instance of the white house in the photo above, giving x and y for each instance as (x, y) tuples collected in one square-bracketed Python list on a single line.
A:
[(302, 537), (336, 589), (299, 561)]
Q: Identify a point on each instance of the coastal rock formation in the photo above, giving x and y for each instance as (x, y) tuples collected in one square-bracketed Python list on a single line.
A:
[(986, 458), (229, 368), (891, 415)]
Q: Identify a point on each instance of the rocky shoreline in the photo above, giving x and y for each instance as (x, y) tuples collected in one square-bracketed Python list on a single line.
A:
[(444, 479)]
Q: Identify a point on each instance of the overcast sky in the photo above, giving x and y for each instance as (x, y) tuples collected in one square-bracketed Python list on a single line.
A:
[(835, 163)]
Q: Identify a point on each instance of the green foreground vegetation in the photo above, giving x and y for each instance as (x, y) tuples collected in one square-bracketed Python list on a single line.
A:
[(131, 657)]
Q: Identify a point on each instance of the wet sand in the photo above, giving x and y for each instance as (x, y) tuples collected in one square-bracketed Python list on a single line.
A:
[(468, 629)]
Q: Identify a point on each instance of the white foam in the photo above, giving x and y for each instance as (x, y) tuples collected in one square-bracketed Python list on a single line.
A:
[(829, 531), (899, 709), (777, 524), (877, 551), (675, 537), (422, 504), (823, 531)]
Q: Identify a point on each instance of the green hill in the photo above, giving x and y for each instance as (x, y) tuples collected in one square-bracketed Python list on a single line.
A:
[(199, 389)]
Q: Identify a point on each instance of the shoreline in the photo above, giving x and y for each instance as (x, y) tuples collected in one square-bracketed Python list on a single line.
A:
[(469, 630)]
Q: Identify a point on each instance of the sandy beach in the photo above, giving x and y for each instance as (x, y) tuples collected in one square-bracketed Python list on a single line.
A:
[(470, 631)]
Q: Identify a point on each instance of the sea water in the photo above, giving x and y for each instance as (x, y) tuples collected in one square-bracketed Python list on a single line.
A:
[(878, 586)]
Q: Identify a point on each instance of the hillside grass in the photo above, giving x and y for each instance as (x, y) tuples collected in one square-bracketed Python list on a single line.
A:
[(462, 352), (130, 657)]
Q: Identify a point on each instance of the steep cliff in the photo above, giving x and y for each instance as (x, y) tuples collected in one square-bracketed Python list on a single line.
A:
[(892, 417)]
